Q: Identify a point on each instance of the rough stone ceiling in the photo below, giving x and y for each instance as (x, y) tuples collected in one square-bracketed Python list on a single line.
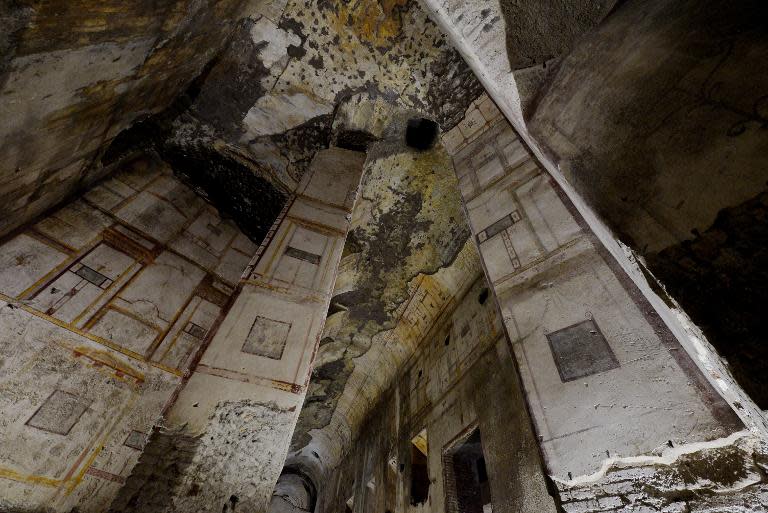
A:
[(350, 74), (248, 86), (408, 223)]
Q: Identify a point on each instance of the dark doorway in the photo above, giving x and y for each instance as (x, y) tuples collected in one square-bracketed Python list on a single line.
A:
[(466, 477), (419, 469)]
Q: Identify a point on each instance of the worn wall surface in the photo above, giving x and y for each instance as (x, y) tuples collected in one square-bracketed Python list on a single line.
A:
[(237, 95), (654, 124), (404, 262), (267, 103), (73, 75), (513, 46), (105, 304), (232, 422), (667, 172), (462, 365), (141, 323), (605, 379)]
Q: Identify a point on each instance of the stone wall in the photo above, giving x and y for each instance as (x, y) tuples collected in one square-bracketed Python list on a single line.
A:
[(727, 477), (234, 418), (405, 262), (594, 358)]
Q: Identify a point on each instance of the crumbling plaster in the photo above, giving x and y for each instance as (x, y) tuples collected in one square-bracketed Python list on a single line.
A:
[(242, 117), (251, 86), (407, 224), (235, 414), (75, 75), (269, 98)]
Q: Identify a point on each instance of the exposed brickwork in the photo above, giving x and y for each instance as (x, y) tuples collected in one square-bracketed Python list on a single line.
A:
[(724, 480), (467, 490)]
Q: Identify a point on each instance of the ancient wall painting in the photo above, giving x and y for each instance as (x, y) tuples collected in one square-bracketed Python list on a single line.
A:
[(96, 290), (267, 337), (59, 413), (580, 332), (581, 350)]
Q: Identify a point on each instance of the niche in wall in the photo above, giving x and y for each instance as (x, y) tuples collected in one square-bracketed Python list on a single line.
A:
[(419, 469)]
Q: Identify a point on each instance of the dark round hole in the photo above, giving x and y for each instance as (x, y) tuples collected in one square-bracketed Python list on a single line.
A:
[(421, 133), (483, 297)]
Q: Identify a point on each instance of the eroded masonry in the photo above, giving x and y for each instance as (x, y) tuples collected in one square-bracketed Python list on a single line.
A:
[(383, 256)]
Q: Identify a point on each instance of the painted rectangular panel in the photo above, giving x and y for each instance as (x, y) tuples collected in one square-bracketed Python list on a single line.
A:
[(135, 440), (107, 261), (232, 265), (331, 218), (499, 226), (24, 261), (68, 297), (59, 413), (187, 334), (581, 350), (128, 332), (305, 317), (267, 338), (333, 177), (512, 150), (91, 275), (491, 205), (490, 171), (155, 217), (74, 225), (211, 232), (243, 244), (177, 193), (303, 255), (162, 289)]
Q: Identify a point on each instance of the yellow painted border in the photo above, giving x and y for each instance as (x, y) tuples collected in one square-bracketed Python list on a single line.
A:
[(89, 336)]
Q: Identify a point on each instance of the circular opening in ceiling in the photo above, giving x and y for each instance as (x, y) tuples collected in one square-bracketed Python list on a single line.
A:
[(421, 133)]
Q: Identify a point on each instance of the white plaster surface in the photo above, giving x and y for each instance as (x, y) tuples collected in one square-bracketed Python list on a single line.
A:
[(95, 311), (499, 82), (548, 275), (285, 295)]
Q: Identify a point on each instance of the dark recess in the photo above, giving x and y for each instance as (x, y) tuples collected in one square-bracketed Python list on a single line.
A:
[(237, 191), (421, 133), (720, 278), (234, 189), (419, 477), (468, 484), (355, 140)]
